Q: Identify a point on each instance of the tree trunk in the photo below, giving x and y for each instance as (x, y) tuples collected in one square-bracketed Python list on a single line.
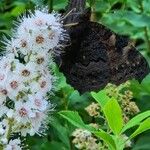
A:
[(76, 7)]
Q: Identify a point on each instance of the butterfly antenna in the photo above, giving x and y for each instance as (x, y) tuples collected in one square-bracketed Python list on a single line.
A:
[(70, 24), (68, 14)]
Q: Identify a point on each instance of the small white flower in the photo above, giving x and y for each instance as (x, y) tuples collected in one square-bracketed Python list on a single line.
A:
[(3, 95), (45, 83), (3, 125), (126, 139), (3, 110), (10, 113), (5, 61), (23, 112), (11, 46), (22, 45), (4, 141), (14, 85), (5, 66), (3, 77), (36, 125), (2, 131), (38, 102), (14, 145), (26, 72), (39, 123), (42, 60)]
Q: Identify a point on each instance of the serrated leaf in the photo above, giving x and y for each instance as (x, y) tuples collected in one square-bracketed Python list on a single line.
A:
[(113, 114), (106, 138), (73, 117), (144, 126), (136, 120), (101, 97)]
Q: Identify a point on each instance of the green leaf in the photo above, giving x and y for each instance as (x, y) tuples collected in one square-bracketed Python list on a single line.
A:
[(106, 138), (136, 120), (18, 10), (113, 115), (134, 5), (127, 22), (73, 117), (112, 2), (59, 4), (138, 20), (101, 97), (146, 6), (144, 126), (38, 2), (53, 145), (61, 131), (142, 143), (119, 141)]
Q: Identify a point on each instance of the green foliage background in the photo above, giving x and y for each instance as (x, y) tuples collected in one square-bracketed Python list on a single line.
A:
[(128, 17)]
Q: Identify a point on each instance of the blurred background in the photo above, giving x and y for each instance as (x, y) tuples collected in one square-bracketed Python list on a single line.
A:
[(126, 17)]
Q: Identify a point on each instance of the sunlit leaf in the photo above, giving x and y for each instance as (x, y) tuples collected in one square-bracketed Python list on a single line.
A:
[(101, 97), (18, 10), (107, 138), (73, 117), (136, 120), (113, 115), (144, 126)]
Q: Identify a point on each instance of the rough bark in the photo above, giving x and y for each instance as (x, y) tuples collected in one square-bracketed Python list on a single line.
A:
[(76, 7)]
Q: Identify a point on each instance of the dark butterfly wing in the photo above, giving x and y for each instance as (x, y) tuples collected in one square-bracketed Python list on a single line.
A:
[(85, 63), (129, 64), (98, 56)]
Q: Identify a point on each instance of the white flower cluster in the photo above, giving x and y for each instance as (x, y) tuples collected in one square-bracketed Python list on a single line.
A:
[(25, 76), (84, 139)]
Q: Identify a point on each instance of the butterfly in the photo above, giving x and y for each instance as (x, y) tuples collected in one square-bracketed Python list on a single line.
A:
[(98, 56)]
